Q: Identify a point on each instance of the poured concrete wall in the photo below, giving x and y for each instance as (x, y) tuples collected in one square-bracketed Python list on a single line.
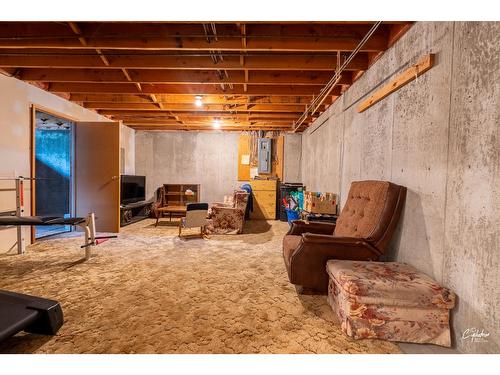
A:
[(472, 228), (439, 137), (127, 147), (205, 158)]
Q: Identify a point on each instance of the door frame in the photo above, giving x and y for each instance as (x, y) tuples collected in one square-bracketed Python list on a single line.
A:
[(33, 109)]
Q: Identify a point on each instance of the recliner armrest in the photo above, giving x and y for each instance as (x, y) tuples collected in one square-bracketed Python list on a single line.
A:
[(220, 204), (311, 238), (299, 227), (306, 264)]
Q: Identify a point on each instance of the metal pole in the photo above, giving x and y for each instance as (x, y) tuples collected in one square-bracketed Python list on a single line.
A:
[(317, 101), (21, 246)]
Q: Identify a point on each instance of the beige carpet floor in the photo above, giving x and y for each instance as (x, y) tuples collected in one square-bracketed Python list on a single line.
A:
[(150, 292)]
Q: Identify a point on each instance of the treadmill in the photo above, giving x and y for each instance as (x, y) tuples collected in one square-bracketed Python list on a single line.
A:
[(22, 312)]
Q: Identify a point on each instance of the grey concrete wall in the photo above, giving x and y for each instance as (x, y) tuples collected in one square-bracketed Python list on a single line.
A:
[(205, 158), (127, 146), (293, 158), (472, 228), (438, 136)]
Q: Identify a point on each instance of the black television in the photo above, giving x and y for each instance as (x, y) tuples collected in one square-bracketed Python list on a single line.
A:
[(132, 189)]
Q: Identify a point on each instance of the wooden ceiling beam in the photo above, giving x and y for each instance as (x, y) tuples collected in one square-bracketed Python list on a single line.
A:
[(287, 44), (122, 88), (179, 76), (209, 121), (251, 75), (208, 124), (61, 59), (397, 31), (183, 29), (77, 31), (151, 37), (195, 121), (104, 99), (238, 115), (151, 109), (188, 127), (9, 72)]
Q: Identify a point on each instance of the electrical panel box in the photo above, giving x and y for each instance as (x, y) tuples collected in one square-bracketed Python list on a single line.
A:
[(264, 153)]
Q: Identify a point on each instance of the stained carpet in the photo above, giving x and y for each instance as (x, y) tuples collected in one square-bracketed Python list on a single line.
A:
[(150, 292)]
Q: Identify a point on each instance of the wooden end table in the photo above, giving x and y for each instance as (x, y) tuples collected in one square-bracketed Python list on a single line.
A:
[(169, 210)]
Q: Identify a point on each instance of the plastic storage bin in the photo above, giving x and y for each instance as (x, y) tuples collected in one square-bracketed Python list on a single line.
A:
[(292, 215)]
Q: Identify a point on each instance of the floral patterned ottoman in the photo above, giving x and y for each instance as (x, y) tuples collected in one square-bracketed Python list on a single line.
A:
[(389, 301)]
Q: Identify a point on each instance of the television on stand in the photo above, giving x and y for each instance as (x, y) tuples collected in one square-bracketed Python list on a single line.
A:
[(133, 204), (132, 189)]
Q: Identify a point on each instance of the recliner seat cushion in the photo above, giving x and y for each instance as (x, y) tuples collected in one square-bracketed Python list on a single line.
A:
[(363, 209)]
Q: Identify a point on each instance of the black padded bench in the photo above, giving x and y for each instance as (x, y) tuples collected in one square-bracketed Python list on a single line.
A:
[(39, 220), (22, 312)]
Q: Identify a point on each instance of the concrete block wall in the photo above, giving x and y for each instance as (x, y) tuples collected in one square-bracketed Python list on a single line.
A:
[(439, 137)]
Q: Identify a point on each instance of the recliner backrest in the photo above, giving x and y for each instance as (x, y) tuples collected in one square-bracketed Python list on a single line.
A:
[(241, 199), (371, 212)]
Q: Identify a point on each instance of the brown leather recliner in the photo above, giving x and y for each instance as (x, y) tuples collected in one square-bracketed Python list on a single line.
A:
[(363, 231)]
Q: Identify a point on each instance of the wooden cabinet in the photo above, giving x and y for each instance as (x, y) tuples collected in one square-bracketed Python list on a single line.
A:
[(264, 199), (180, 194), (134, 212)]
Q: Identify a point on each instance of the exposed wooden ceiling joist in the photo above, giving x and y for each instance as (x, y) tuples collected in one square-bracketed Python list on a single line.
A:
[(83, 60), (157, 37), (195, 127), (211, 114), (142, 107), (187, 89), (189, 99), (178, 75)]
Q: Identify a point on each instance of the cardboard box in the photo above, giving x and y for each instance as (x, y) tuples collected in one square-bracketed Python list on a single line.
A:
[(320, 203)]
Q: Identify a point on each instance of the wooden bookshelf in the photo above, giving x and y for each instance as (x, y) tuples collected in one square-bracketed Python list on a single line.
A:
[(175, 194)]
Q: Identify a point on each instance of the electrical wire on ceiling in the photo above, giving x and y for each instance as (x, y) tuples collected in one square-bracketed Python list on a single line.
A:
[(327, 89), (211, 33), (171, 53)]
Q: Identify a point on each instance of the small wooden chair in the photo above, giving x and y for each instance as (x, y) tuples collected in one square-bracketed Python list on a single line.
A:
[(196, 216)]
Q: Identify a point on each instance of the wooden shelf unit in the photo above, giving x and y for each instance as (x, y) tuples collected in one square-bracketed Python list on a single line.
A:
[(175, 194)]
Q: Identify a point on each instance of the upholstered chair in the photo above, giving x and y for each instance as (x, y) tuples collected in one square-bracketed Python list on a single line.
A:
[(229, 217), (196, 217), (158, 201), (363, 231)]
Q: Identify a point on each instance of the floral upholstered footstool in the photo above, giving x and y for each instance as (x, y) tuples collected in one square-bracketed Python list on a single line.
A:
[(389, 301)]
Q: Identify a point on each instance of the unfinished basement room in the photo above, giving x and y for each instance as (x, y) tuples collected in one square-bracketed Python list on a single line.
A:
[(249, 186)]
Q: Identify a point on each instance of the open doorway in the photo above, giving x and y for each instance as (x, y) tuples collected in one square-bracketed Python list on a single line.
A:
[(53, 170)]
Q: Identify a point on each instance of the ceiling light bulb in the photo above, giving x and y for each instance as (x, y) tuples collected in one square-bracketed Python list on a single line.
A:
[(197, 101), (216, 124)]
